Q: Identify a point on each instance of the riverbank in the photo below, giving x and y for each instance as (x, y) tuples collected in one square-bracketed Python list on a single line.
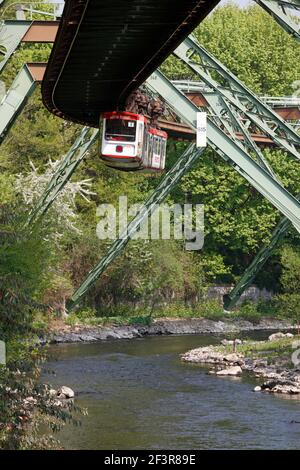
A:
[(141, 395), (275, 360), (63, 333)]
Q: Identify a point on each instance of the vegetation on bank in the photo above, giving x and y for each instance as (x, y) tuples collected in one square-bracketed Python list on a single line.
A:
[(41, 266), (210, 310), (270, 350)]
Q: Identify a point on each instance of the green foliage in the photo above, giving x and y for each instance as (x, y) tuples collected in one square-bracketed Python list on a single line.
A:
[(252, 45), (290, 277), (248, 312), (25, 404)]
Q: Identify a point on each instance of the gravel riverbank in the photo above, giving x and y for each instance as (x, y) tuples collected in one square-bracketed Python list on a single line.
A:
[(270, 360), (83, 333)]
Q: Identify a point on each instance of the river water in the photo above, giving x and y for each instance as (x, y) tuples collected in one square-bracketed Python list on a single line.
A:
[(140, 395)]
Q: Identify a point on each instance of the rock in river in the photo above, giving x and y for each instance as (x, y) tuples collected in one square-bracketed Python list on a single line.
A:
[(65, 392)]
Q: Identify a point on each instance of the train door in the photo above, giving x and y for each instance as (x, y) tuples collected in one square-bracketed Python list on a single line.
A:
[(156, 153)]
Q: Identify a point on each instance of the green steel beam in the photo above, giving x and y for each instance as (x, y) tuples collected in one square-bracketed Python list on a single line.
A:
[(15, 100), (11, 34), (230, 101), (235, 106), (224, 146), (282, 12), (258, 262), (168, 182), (228, 149), (75, 155)]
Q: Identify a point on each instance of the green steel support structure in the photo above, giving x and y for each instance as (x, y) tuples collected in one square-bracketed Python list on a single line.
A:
[(282, 11), (234, 107), (229, 150), (224, 146), (230, 101), (11, 34), (75, 155), (15, 99), (168, 182)]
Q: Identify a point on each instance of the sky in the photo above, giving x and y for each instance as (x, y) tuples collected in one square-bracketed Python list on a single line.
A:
[(242, 3)]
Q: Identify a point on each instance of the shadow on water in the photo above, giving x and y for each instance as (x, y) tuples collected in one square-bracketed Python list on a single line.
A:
[(141, 396)]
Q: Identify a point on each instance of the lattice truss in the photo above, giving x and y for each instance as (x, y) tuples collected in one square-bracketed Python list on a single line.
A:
[(235, 109), (287, 14)]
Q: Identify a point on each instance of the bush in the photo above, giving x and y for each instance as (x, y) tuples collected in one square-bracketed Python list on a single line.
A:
[(248, 312), (289, 306)]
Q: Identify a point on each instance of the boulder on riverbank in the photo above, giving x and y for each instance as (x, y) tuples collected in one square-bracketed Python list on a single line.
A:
[(230, 371), (280, 335), (65, 392)]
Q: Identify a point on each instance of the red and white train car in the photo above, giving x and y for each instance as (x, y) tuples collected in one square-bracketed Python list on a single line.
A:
[(129, 143)]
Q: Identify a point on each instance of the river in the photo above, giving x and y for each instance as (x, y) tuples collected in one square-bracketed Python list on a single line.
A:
[(140, 395)]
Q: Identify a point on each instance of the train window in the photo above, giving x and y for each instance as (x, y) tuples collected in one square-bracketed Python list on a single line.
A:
[(120, 129)]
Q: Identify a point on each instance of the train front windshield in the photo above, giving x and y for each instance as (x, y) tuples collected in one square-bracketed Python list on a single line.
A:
[(120, 129)]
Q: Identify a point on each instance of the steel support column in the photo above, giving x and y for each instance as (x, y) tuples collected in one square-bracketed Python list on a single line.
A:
[(235, 107), (11, 34), (15, 99), (64, 172)]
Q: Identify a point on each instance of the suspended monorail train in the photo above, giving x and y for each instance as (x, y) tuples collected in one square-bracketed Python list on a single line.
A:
[(130, 143)]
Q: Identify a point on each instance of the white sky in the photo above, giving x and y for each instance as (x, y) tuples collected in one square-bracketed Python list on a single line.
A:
[(240, 2)]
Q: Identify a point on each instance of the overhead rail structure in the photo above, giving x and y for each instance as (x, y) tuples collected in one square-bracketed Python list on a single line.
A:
[(32, 73), (286, 13), (116, 39), (256, 175), (106, 50), (15, 99), (13, 32), (235, 108)]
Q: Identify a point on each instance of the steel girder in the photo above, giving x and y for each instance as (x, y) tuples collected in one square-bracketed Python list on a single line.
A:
[(75, 155), (15, 99), (228, 149), (234, 107), (281, 11), (168, 182), (231, 101), (11, 34)]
